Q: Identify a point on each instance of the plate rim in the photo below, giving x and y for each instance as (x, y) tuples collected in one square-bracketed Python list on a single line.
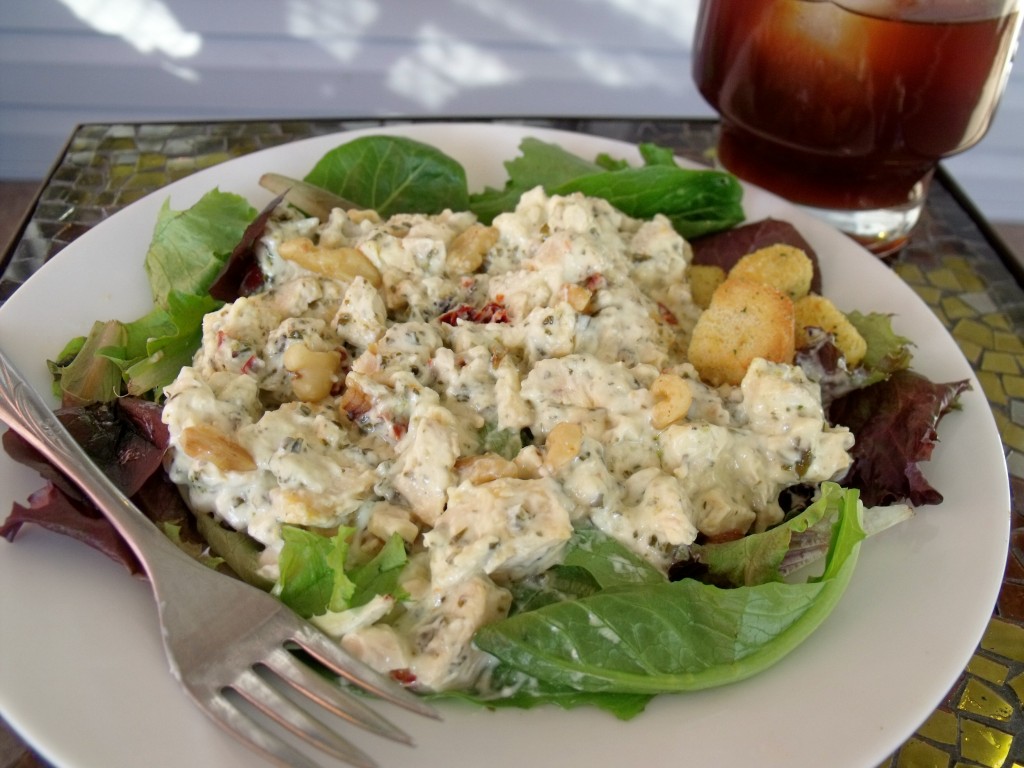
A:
[(70, 253)]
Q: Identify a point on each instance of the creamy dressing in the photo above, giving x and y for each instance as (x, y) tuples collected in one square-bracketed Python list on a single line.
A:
[(483, 416)]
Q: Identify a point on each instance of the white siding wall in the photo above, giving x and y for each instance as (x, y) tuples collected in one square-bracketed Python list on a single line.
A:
[(63, 62)]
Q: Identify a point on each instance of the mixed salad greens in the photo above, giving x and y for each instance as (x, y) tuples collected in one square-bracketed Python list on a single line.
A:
[(732, 611)]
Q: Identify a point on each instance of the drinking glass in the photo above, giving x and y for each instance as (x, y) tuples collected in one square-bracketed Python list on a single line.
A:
[(845, 107)]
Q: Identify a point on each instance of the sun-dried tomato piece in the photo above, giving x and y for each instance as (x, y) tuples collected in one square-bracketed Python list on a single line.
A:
[(491, 312)]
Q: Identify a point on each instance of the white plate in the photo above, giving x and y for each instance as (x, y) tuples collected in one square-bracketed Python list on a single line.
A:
[(82, 671)]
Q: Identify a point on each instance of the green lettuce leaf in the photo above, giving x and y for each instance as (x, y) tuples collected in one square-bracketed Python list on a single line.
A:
[(519, 691), (81, 374), (647, 639), (756, 559), (538, 164), (315, 577), (381, 574), (190, 247), (137, 358), (887, 351), (593, 561), (193, 549), (186, 253), (163, 342), (237, 549), (608, 562), (312, 566)]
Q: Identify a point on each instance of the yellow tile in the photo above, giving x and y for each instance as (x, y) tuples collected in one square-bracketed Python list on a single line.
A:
[(984, 744), (129, 195), (119, 173), (941, 726), (956, 308), (181, 164), (987, 669), (958, 263), (213, 158), (147, 180), (1012, 434), (998, 320), (1014, 386), (946, 279), (1005, 639), (910, 273), (973, 284), (114, 143), (1008, 341), (979, 699), (918, 754), (972, 351), (181, 172), (992, 385), (1000, 362), (151, 160), (931, 296), (972, 330), (1017, 684)]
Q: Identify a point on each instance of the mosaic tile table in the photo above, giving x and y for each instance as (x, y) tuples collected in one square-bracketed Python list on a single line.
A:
[(954, 262)]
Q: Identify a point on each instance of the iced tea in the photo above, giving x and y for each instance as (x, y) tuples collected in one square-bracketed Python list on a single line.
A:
[(849, 105)]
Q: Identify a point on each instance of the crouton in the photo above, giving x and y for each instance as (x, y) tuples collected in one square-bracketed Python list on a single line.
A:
[(704, 278), (784, 267), (745, 320), (813, 311)]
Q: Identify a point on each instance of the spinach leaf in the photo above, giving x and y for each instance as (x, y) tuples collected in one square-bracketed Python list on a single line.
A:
[(539, 164), (393, 174), (560, 582), (593, 561), (664, 637), (656, 155), (696, 202)]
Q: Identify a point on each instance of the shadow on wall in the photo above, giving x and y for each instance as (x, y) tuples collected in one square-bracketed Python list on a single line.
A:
[(171, 60), (440, 49)]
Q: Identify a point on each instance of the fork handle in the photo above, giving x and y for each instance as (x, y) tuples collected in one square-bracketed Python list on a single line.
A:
[(25, 412)]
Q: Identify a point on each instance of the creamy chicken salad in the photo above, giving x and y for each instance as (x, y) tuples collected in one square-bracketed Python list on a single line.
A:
[(480, 392)]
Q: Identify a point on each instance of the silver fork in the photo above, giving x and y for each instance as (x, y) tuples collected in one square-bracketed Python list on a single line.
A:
[(228, 643)]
